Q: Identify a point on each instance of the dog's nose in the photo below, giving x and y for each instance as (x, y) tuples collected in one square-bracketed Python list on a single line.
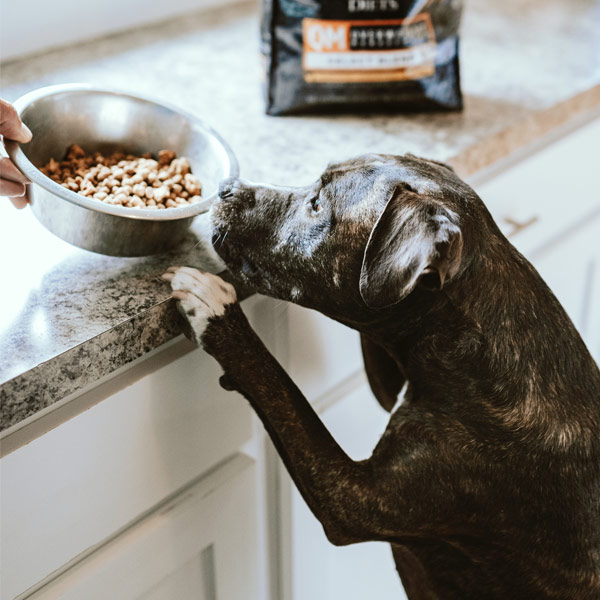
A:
[(227, 187)]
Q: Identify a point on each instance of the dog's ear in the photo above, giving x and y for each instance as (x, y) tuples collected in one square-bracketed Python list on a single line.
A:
[(414, 240)]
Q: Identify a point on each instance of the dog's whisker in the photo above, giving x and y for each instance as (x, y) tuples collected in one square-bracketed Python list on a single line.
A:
[(223, 240)]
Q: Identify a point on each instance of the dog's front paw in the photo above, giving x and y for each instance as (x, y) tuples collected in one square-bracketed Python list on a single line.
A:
[(201, 296)]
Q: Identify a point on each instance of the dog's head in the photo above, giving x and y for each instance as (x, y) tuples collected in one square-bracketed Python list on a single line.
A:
[(366, 234)]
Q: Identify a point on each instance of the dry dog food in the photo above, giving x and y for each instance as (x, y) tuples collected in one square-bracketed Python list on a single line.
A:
[(127, 180), (399, 54)]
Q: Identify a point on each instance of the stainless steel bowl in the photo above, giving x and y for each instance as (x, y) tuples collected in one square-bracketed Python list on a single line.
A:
[(105, 120)]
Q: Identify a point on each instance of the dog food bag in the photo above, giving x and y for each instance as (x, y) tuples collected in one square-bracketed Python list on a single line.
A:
[(397, 54)]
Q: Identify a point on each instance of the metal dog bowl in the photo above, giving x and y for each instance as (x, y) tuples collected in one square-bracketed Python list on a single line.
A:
[(106, 120)]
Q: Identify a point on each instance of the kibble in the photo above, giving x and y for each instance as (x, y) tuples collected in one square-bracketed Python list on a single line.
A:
[(127, 180)]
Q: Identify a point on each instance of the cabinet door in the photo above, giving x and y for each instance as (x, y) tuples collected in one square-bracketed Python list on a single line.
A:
[(549, 206), (571, 267), (322, 352), (73, 487), (198, 545), (547, 195), (314, 569)]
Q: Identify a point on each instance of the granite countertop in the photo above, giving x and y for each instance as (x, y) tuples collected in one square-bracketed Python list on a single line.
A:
[(70, 317)]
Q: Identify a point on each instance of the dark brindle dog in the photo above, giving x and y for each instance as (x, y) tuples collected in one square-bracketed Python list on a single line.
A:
[(486, 481)]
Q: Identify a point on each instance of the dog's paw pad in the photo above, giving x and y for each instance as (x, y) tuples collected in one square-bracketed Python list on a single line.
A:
[(200, 296)]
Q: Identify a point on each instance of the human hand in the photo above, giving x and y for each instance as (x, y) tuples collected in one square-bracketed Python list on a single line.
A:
[(12, 181)]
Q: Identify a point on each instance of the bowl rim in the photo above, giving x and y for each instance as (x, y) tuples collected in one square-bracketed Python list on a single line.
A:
[(37, 177)]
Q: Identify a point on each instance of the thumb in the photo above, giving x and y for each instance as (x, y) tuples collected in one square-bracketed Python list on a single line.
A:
[(11, 126)]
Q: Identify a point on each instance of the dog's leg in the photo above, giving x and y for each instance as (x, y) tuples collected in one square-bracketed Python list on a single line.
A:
[(344, 495), (384, 375)]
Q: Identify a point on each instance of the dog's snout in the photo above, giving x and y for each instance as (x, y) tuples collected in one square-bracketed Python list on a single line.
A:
[(227, 187), (235, 188)]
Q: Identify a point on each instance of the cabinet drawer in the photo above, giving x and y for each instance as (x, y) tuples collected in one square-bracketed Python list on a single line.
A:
[(77, 484), (200, 545)]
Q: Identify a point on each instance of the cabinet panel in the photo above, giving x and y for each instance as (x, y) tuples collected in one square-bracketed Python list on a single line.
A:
[(549, 193), (554, 196), (322, 352), (194, 579), (314, 568), (571, 267), (199, 545), (82, 481)]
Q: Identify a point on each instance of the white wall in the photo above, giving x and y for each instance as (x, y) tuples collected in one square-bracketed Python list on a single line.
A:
[(29, 26)]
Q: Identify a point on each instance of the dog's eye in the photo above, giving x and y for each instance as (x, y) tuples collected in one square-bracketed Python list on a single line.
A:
[(315, 204)]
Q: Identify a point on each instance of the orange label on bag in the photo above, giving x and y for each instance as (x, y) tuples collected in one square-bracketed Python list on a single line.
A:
[(364, 51)]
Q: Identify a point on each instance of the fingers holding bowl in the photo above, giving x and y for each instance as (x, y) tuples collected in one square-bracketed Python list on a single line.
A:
[(13, 183)]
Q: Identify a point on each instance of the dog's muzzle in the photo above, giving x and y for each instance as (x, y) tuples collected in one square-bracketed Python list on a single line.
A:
[(228, 187), (235, 188)]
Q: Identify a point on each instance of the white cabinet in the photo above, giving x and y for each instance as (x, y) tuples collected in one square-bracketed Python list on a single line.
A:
[(70, 489), (554, 198), (571, 267), (151, 432), (199, 541), (325, 360), (317, 570), (322, 353)]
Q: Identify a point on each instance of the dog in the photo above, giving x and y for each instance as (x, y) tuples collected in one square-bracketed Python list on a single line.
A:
[(486, 481)]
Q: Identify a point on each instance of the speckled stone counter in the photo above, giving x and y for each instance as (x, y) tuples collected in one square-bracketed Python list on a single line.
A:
[(69, 317)]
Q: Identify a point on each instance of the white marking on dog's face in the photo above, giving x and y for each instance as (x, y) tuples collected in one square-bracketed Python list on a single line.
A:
[(201, 296)]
